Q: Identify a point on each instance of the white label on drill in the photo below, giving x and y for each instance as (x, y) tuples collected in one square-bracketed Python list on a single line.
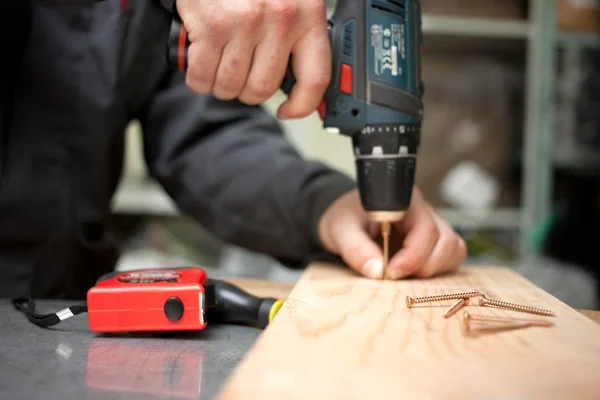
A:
[(398, 39), (388, 42), (394, 60)]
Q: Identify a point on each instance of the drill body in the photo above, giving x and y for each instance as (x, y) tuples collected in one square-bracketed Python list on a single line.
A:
[(374, 96), (376, 47)]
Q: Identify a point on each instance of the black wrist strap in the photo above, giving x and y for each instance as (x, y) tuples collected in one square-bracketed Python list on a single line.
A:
[(45, 320)]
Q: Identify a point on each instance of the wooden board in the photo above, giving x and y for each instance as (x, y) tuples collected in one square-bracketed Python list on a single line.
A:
[(281, 290), (341, 336)]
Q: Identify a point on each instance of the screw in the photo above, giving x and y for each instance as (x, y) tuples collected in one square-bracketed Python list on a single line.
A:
[(429, 299), (533, 322), (484, 301), (467, 318), (455, 307)]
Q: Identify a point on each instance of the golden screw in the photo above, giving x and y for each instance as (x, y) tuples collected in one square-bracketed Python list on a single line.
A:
[(386, 228), (467, 318), (533, 322), (484, 301), (429, 299), (455, 307)]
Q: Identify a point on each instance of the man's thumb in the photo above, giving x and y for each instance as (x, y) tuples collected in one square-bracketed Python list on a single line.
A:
[(361, 253)]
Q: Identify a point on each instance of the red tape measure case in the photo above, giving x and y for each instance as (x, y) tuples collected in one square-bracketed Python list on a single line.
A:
[(148, 300)]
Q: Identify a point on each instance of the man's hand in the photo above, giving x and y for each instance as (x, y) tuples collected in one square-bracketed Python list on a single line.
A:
[(241, 48), (421, 244)]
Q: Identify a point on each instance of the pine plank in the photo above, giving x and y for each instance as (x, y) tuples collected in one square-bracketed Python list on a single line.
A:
[(341, 336)]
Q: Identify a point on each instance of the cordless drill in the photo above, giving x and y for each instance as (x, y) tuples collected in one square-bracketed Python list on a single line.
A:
[(374, 97)]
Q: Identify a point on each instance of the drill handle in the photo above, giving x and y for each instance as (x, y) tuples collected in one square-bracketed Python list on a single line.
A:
[(178, 44)]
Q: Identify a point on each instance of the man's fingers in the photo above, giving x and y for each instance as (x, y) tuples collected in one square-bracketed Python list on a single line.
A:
[(238, 52), (345, 230), (272, 52), (233, 69), (359, 251), (200, 76), (311, 57), (455, 258), (460, 257), (422, 235), (241, 48), (447, 254), (208, 31), (266, 73)]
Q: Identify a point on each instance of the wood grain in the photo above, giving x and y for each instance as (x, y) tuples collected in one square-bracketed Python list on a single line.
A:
[(341, 336), (281, 290)]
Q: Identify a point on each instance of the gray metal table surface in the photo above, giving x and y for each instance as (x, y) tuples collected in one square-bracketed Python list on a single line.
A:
[(69, 361)]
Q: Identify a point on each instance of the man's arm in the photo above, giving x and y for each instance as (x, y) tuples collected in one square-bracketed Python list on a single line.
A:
[(168, 4), (229, 166)]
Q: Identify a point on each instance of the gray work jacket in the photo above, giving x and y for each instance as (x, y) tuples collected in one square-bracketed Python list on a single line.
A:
[(86, 71)]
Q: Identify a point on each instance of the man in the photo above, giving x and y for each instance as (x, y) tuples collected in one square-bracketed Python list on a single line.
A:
[(89, 67)]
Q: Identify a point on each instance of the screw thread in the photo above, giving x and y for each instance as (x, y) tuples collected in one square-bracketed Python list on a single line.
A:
[(509, 320), (518, 307), (498, 328), (443, 297)]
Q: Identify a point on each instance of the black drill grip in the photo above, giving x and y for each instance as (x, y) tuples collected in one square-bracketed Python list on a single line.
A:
[(232, 305), (177, 45)]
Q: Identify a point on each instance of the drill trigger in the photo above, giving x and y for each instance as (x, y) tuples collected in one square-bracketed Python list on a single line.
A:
[(322, 109)]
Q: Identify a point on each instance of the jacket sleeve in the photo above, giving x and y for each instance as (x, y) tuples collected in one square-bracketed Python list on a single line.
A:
[(229, 166), (168, 4)]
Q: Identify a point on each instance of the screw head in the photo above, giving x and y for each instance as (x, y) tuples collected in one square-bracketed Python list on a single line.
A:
[(467, 321), (466, 316), (482, 300), (408, 301)]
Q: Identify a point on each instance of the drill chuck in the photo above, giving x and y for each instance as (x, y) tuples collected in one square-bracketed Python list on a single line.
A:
[(386, 158), (396, 175)]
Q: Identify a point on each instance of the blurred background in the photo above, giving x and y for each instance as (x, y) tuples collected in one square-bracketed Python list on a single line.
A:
[(510, 151)]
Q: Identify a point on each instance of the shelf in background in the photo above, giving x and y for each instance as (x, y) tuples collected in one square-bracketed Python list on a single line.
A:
[(145, 198), (494, 219), (473, 26), (477, 27), (578, 39)]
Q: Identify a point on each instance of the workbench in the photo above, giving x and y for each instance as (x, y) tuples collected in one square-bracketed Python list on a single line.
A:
[(71, 362)]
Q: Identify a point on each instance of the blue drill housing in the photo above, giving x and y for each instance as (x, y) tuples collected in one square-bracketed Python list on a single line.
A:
[(381, 40)]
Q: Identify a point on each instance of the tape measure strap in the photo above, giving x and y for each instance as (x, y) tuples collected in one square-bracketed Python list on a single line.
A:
[(27, 306)]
